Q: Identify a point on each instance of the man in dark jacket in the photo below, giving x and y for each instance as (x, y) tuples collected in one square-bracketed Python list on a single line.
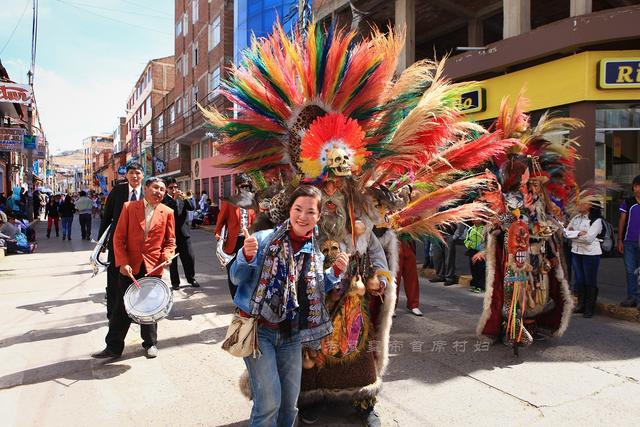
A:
[(120, 194), (176, 200)]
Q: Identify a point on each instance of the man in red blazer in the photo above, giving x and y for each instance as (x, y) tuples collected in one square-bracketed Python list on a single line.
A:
[(236, 214), (144, 239)]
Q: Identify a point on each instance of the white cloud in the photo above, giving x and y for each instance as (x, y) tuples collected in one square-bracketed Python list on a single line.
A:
[(71, 110)]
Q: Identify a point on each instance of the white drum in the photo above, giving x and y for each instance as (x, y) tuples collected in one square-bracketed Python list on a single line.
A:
[(149, 303)]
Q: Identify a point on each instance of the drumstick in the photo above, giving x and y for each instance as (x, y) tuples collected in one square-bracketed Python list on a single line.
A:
[(161, 265), (135, 282)]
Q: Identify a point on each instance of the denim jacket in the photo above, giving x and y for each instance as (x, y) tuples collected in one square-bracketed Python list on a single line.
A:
[(245, 274)]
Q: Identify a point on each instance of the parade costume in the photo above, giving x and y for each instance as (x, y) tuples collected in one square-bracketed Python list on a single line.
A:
[(322, 108), (527, 291)]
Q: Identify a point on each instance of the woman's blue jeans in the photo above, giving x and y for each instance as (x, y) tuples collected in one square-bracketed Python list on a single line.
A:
[(275, 379), (66, 225), (585, 270)]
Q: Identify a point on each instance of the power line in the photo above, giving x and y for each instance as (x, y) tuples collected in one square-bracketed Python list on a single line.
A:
[(114, 10), (26, 4), (114, 19), (146, 7)]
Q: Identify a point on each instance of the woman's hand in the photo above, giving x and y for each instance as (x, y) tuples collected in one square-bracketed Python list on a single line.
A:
[(342, 261), (582, 233), (250, 248)]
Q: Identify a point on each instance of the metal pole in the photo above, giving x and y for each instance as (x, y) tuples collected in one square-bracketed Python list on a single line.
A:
[(30, 155)]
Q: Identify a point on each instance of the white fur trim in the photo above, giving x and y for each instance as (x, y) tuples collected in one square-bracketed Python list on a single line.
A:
[(354, 393), (490, 257), (568, 302)]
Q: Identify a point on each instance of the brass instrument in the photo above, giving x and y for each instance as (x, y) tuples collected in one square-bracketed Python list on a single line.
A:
[(97, 264)]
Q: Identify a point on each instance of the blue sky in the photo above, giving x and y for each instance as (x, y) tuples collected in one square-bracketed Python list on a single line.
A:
[(89, 55)]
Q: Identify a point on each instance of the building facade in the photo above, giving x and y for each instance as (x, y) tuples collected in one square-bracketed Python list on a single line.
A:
[(578, 58), (154, 83), (94, 147)]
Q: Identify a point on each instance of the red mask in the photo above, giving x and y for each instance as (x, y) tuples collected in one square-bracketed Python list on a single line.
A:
[(518, 243)]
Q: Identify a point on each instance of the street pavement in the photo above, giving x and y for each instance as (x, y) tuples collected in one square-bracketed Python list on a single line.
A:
[(53, 317)]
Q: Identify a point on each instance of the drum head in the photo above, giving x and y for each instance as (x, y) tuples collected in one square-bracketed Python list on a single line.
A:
[(149, 303)]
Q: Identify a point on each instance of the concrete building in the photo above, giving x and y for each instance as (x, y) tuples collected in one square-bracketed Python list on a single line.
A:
[(203, 50), (155, 81), (93, 147), (578, 58)]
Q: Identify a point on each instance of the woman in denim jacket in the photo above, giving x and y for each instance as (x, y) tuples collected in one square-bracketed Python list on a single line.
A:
[(280, 279)]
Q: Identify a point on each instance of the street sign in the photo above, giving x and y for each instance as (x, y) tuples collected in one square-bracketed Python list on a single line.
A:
[(15, 93), (11, 139), (619, 73), (30, 142)]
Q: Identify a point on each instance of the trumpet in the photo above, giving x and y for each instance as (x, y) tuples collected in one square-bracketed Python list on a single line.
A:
[(97, 264)]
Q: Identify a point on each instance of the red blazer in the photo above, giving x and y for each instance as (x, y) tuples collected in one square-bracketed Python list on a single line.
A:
[(230, 216), (132, 248)]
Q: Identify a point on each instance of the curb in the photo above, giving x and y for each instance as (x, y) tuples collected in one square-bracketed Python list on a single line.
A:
[(608, 309)]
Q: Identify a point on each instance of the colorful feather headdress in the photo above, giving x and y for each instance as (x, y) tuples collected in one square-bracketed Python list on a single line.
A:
[(319, 92)]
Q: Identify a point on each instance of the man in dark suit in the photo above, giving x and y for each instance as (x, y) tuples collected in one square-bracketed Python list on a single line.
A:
[(120, 194), (236, 214), (144, 241), (175, 200)]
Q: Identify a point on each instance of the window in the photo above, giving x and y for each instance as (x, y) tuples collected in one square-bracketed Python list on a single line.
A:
[(185, 24), (194, 54), (179, 27), (214, 82), (172, 114), (149, 136), (149, 76), (194, 11), (214, 33), (205, 150), (149, 103), (185, 63), (178, 105), (195, 151), (179, 66), (174, 150), (194, 95), (185, 104), (160, 123)]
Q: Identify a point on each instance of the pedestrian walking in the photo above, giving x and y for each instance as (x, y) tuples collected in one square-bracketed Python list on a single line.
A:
[(628, 235), (53, 215), (84, 205), (408, 273), (181, 206), (121, 193), (284, 301), (583, 231), (67, 209), (139, 250), (475, 244), (444, 256)]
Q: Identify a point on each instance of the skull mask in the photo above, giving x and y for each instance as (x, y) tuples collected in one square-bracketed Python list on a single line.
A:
[(330, 249), (338, 162), (518, 245)]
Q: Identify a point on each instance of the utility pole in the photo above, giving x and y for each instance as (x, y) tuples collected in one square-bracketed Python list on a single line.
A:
[(30, 153)]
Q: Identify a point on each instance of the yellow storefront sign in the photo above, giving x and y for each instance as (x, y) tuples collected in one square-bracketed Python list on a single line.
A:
[(560, 82)]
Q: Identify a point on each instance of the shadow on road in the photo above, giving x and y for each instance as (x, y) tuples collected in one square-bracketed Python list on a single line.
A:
[(94, 369)]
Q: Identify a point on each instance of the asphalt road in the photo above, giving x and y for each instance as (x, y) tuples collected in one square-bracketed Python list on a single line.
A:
[(53, 317)]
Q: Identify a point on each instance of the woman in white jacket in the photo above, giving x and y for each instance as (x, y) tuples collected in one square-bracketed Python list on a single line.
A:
[(583, 230)]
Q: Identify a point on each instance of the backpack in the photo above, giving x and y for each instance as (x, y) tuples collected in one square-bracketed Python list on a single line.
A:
[(606, 237)]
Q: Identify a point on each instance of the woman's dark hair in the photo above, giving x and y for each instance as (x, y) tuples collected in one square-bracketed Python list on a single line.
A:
[(67, 199), (594, 213), (305, 191)]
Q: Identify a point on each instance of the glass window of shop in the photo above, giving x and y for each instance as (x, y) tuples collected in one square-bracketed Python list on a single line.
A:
[(226, 186), (215, 191), (196, 191), (617, 154), (205, 185)]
